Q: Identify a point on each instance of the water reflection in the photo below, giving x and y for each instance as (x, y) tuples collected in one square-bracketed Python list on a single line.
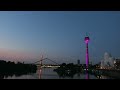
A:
[(5, 75), (64, 74), (78, 74), (40, 73), (49, 73), (87, 75), (104, 77)]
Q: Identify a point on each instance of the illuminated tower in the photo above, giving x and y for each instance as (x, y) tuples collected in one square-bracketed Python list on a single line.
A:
[(87, 53)]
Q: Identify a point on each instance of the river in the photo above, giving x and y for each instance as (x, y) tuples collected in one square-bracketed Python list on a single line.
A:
[(48, 73)]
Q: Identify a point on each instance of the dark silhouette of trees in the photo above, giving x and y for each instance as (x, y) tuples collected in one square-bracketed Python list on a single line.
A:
[(67, 70), (10, 68)]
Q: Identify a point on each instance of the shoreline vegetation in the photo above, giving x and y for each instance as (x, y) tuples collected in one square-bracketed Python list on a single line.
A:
[(11, 68), (69, 70)]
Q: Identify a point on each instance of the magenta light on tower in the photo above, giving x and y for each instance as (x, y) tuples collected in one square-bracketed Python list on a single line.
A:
[(87, 53)]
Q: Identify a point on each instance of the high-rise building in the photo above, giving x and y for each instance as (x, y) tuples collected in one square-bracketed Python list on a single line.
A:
[(78, 62)]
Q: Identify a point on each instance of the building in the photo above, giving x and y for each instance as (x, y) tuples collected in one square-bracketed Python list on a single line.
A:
[(117, 64), (78, 62), (107, 62)]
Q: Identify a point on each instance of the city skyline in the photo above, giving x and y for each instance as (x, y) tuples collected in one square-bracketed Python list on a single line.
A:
[(58, 35)]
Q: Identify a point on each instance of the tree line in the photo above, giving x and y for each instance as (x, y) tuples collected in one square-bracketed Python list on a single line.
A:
[(12, 68)]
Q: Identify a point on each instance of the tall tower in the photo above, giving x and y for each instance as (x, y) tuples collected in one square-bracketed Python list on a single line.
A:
[(87, 53)]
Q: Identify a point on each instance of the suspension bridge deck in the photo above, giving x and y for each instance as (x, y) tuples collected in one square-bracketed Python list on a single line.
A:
[(48, 66)]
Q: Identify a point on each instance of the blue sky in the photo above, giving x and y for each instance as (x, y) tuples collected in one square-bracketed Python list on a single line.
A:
[(59, 35)]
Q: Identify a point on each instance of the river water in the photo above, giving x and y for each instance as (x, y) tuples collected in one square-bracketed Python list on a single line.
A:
[(48, 73)]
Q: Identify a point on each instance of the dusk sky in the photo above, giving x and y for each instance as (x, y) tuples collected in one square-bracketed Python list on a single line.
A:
[(58, 35)]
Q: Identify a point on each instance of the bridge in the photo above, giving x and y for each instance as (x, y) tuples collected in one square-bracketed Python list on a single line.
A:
[(40, 64)]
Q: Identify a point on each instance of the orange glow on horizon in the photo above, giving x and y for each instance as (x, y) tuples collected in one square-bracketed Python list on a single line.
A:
[(15, 55)]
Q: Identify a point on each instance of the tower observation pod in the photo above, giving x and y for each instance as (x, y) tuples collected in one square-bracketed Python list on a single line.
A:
[(87, 53)]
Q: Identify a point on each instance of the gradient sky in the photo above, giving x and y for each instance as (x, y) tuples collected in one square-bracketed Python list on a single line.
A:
[(58, 35)]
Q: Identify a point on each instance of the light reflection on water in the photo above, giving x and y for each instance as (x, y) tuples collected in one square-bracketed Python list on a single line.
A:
[(48, 73)]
